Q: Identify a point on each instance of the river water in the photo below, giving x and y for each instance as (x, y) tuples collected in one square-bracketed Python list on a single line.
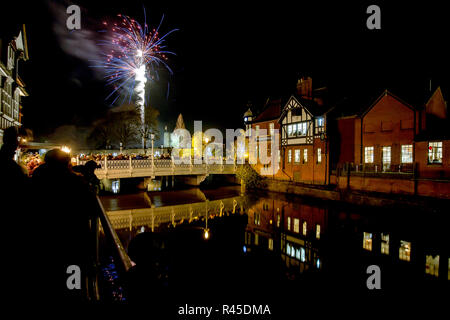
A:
[(262, 245)]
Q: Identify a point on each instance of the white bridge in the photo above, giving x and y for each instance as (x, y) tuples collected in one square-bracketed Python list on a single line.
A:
[(151, 217), (116, 169)]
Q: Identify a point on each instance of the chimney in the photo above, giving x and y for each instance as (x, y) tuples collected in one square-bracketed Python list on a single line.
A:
[(304, 87)]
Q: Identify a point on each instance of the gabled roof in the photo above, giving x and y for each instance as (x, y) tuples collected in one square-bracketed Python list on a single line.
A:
[(311, 106), (385, 93), (272, 111)]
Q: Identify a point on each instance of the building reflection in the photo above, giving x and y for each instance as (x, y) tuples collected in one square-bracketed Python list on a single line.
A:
[(308, 236), (294, 230)]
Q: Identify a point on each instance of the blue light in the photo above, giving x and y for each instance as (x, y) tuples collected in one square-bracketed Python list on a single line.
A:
[(244, 249)]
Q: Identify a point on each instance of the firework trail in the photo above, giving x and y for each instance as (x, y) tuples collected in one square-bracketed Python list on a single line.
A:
[(132, 54)]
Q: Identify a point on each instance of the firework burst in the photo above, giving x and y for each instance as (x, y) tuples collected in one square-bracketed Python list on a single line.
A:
[(132, 54)]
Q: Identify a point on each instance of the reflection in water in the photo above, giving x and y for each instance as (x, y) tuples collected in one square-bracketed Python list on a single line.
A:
[(267, 239)]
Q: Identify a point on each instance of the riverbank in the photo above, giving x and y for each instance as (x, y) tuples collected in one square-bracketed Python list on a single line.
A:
[(375, 199)]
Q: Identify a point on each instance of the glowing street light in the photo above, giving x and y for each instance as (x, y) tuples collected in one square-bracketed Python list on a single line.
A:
[(206, 234), (65, 149)]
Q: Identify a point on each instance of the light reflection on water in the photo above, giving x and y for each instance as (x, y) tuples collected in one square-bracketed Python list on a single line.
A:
[(318, 243)]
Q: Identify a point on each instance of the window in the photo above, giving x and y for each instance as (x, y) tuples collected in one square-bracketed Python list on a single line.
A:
[(386, 158), (279, 156), (368, 154), (320, 124), (407, 153), (289, 156), (304, 228), (270, 244), (297, 155), (288, 249), (405, 251), (317, 231), (256, 239), (302, 129), (319, 155), (302, 254), (271, 129), (296, 225), (435, 152), (305, 155), (432, 265), (291, 130), (257, 219), (367, 241), (289, 223), (385, 243), (278, 220)]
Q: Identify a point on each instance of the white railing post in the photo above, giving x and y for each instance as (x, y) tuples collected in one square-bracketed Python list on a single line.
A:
[(173, 164), (130, 165)]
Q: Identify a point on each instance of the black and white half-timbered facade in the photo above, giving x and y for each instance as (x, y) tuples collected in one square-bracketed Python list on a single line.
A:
[(304, 140), (12, 88)]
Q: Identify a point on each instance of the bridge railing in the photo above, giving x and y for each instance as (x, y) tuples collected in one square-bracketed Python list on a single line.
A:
[(143, 167)]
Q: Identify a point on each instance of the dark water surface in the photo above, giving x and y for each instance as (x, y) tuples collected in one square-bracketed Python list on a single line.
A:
[(277, 247)]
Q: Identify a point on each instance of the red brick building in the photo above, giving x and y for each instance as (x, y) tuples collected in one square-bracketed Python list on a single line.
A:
[(304, 140), (397, 147)]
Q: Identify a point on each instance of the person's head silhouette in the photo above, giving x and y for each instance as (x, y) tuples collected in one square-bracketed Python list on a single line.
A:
[(10, 139), (57, 158)]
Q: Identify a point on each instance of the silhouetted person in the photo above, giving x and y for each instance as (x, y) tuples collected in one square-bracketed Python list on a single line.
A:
[(148, 279), (13, 177), (66, 205), (15, 235)]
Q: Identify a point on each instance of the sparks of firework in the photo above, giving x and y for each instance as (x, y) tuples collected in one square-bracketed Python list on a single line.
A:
[(133, 54)]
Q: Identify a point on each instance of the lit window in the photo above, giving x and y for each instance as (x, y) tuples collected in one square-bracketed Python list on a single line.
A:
[(302, 254), (302, 129), (297, 155), (385, 243), (256, 239), (257, 219), (320, 125), (386, 158), (289, 156), (407, 153), (432, 265), (296, 225), (278, 220), (288, 249), (317, 231), (435, 152), (289, 223), (304, 228), (305, 155), (405, 251), (291, 130), (319, 155), (297, 253), (367, 241), (270, 244), (368, 154), (271, 129)]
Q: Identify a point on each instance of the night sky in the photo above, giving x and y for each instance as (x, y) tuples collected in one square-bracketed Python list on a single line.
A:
[(229, 54)]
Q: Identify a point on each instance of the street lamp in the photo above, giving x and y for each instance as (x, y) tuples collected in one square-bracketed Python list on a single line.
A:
[(152, 136)]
